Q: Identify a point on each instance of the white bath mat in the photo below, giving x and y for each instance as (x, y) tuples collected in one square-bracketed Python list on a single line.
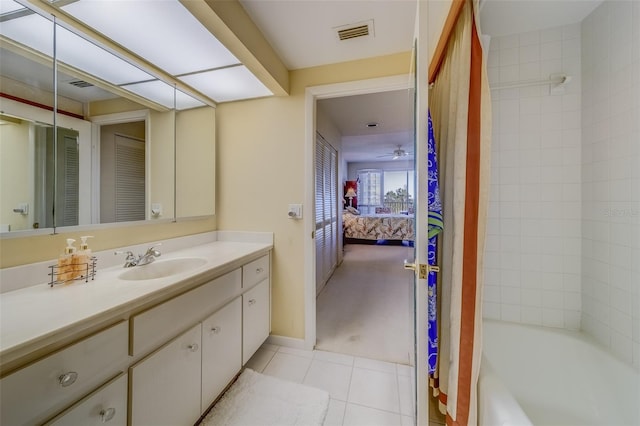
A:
[(259, 400)]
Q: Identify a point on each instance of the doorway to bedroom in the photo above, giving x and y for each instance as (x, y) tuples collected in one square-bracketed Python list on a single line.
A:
[(364, 203)]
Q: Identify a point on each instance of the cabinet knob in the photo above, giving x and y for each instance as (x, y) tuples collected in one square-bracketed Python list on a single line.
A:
[(193, 347), (216, 330), (252, 302), (67, 379), (259, 270), (108, 414)]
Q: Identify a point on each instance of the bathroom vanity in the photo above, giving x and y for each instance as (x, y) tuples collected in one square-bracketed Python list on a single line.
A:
[(128, 349)]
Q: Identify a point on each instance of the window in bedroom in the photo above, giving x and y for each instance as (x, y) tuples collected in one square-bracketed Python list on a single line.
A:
[(392, 190), (398, 190), (369, 190)]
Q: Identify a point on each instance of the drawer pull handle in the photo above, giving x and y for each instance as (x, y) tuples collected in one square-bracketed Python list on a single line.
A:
[(67, 379), (193, 347), (259, 270), (252, 302), (216, 330), (108, 414)]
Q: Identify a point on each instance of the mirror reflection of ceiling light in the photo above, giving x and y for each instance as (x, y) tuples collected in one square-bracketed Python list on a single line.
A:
[(170, 37), (163, 33)]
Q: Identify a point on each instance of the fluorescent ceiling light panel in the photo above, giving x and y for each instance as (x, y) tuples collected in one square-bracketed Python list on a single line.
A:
[(78, 52), (161, 31), (7, 6), (227, 84), (184, 101), (33, 31), (156, 91)]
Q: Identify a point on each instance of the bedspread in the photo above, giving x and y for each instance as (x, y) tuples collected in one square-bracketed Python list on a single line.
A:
[(378, 227)]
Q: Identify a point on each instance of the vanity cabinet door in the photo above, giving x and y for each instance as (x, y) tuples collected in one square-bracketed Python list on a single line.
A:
[(255, 319), (165, 386), (221, 350), (107, 405)]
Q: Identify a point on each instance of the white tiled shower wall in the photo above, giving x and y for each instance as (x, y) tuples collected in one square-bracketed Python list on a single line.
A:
[(532, 259), (563, 243), (611, 177)]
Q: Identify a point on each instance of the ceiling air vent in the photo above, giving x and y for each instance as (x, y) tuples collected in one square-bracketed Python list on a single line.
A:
[(361, 29), (80, 83)]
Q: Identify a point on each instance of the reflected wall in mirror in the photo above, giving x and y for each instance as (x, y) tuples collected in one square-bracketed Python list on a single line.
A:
[(195, 159)]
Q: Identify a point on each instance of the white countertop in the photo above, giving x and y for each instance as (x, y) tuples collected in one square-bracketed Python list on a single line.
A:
[(32, 317)]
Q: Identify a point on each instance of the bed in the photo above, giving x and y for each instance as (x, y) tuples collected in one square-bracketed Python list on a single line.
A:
[(398, 227)]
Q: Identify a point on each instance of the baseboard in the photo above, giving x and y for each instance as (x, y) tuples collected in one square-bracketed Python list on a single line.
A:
[(288, 342)]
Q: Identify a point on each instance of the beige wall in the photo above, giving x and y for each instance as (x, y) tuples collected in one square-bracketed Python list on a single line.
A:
[(260, 166)]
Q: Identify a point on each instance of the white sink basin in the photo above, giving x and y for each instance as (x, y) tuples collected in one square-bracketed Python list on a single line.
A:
[(162, 268)]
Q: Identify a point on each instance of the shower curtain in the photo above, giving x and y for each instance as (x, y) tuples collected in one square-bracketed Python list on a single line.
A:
[(434, 225), (460, 105)]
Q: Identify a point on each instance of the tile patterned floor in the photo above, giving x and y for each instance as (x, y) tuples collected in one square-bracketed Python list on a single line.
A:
[(363, 391)]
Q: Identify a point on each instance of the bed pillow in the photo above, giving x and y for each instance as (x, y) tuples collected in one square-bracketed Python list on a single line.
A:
[(352, 210)]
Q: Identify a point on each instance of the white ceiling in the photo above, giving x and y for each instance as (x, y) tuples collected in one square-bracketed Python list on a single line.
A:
[(303, 34), (391, 111)]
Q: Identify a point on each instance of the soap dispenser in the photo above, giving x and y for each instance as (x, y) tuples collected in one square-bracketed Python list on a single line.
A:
[(82, 258), (66, 270)]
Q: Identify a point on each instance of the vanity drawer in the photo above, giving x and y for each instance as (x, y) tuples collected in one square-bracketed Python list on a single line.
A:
[(108, 404), (39, 390), (254, 272), (154, 327)]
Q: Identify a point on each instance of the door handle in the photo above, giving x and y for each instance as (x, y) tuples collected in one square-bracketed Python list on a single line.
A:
[(422, 268), (408, 265)]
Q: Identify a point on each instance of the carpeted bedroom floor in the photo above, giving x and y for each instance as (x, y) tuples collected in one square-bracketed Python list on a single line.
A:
[(366, 308)]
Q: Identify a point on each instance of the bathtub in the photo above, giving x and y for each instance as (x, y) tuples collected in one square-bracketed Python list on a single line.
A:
[(542, 376)]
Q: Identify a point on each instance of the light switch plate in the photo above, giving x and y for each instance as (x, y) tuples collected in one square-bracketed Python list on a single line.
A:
[(295, 211)]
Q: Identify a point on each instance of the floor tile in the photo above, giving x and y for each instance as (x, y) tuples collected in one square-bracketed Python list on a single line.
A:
[(260, 359), (270, 347), (374, 389), (288, 367), (372, 364), (298, 352), (334, 357), (331, 377), (335, 413), (357, 415)]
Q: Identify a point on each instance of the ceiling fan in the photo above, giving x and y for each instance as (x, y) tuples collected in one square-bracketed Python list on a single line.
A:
[(397, 153)]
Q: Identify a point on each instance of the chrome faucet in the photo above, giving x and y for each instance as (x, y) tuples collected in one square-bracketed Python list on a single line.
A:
[(149, 256), (143, 259)]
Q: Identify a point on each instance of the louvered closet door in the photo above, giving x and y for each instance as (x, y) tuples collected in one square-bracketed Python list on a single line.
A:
[(129, 179), (326, 211), (67, 186)]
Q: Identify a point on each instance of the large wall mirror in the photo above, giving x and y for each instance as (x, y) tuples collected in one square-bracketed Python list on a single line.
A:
[(109, 153)]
